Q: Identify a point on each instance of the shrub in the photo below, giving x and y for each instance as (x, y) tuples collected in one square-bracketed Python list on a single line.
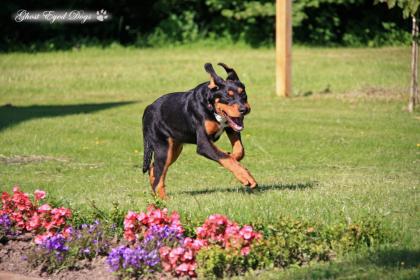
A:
[(366, 233), (179, 28), (216, 262), (291, 243)]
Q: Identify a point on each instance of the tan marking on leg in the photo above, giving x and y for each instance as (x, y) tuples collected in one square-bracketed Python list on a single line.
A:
[(151, 176), (160, 190), (238, 151), (174, 150), (241, 173)]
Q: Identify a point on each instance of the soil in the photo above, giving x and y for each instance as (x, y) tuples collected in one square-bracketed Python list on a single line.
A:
[(13, 265), (25, 159)]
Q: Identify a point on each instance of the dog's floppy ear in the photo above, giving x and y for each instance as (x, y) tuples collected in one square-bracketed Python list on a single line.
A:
[(214, 79), (232, 76)]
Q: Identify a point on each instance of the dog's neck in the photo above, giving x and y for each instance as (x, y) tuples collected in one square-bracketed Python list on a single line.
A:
[(221, 120)]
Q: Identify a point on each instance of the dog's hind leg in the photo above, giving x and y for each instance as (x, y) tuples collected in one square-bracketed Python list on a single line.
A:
[(165, 154)]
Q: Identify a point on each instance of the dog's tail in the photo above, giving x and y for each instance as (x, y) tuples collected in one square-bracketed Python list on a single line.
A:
[(147, 156), (148, 148)]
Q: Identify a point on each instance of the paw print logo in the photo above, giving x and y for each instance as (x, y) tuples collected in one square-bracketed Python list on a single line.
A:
[(101, 15)]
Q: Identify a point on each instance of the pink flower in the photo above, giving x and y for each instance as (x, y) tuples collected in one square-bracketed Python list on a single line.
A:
[(61, 211), (164, 251), (67, 232), (166, 267), (136, 225), (177, 251), (188, 255), (129, 235), (34, 223), (142, 218), (246, 232), (39, 195), (44, 208), (39, 239), (200, 231), (198, 244), (183, 268), (245, 251)]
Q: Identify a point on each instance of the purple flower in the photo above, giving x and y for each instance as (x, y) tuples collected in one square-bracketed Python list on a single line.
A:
[(116, 257), (86, 251), (92, 227), (138, 259), (144, 258), (5, 224), (163, 236), (55, 243)]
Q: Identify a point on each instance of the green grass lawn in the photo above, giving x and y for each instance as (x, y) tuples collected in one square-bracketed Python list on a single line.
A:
[(343, 149)]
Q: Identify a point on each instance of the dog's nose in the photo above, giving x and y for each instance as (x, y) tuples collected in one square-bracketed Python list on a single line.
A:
[(243, 110)]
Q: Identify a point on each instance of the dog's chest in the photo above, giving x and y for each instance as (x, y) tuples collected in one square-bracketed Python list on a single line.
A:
[(219, 131), (215, 128)]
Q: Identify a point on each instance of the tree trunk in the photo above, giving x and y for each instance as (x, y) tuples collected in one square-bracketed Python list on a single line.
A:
[(414, 98)]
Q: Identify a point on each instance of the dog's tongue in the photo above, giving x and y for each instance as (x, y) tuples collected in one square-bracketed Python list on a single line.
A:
[(236, 123)]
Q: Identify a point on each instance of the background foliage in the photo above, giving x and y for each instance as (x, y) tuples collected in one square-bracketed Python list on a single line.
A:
[(162, 22)]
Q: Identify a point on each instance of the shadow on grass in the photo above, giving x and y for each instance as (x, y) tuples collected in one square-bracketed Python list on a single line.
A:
[(398, 258), (12, 115), (259, 189), (381, 264)]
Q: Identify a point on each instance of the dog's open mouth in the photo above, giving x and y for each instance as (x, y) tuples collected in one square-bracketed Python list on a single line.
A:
[(236, 123)]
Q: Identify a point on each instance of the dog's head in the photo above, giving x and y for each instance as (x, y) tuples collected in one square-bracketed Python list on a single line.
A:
[(228, 97)]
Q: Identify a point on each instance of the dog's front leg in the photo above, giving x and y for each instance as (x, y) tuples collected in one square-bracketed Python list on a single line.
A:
[(238, 151), (206, 147)]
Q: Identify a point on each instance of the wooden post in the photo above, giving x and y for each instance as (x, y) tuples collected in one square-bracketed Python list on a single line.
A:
[(284, 47), (414, 98)]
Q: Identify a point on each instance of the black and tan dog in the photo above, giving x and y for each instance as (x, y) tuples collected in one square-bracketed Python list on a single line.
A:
[(198, 116)]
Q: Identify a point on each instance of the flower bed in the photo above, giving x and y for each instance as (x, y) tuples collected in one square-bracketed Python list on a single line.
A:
[(155, 243)]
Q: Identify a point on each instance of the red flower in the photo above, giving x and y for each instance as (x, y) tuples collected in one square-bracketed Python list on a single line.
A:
[(26, 216)]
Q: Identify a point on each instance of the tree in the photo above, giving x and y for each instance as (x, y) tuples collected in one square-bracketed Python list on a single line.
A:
[(410, 8)]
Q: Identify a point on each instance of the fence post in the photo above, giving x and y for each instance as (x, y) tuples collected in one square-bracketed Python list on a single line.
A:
[(284, 47)]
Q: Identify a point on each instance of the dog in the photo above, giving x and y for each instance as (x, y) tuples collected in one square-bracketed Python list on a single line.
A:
[(198, 116)]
